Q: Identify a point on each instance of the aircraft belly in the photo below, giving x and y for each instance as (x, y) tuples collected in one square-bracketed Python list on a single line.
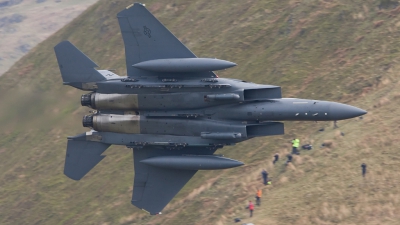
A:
[(158, 140), (136, 124), (187, 127)]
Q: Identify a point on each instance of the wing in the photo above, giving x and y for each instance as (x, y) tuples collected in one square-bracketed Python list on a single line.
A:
[(154, 187), (145, 39)]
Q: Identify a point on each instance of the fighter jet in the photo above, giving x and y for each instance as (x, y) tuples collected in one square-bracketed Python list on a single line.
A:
[(172, 110)]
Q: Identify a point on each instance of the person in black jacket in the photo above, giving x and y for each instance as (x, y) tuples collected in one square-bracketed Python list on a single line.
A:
[(276, 158), (264, 174), (363, 169), (289, 159)]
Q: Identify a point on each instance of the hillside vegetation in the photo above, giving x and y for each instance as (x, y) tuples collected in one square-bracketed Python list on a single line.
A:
[(339, 50), (24, 24)]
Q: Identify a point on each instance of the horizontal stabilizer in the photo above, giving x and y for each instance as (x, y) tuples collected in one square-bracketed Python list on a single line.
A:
[(81, 157), (75, 67)]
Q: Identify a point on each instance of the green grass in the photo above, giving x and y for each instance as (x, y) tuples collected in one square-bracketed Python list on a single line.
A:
[(310, 48)]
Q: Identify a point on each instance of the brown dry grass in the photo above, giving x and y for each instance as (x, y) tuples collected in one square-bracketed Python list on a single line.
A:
[(378, 23)]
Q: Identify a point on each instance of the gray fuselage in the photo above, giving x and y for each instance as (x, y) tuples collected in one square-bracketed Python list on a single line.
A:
[(214, 110)]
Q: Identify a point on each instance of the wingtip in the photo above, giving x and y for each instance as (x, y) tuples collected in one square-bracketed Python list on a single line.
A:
[(135, 4), (143, 209), (72, 177), (61, 43)]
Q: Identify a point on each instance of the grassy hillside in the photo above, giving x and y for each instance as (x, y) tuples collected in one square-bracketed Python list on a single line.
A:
[(346, 51)]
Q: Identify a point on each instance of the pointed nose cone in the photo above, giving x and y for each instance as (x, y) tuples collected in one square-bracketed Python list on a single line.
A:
[(340, 111)]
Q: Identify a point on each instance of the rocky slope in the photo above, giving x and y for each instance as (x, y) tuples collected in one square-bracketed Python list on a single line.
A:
[(24, 24)]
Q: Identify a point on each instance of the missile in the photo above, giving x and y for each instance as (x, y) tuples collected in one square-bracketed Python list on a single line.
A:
[(182, 65), (222, 97), (215, 135), (192, 162)]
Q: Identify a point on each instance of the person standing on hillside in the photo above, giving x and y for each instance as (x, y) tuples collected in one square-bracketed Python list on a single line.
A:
[(264, 174), (295, 146), (251, 208), (289, 159), (276, 158), (363, 169), (258, 197)]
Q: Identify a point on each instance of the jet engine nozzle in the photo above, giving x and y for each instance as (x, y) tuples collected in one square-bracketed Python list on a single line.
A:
[(87, 121), (86, 100)]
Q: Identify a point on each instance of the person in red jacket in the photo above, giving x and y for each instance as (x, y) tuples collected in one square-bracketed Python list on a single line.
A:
[(251, 208)]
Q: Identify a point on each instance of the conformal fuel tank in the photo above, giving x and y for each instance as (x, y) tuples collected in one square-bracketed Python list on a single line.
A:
[(192, 162), (184, 65)]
